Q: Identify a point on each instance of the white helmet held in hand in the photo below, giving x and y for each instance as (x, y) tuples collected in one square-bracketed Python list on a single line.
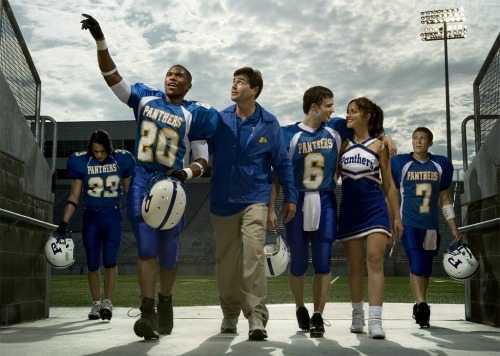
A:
[(277, 255), (59, 250), (164, 202), (459, 262)]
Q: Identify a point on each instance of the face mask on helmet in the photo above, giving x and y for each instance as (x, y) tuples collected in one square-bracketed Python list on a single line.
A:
[(59, 250), (459, 262), (164, 202), (277, 254)]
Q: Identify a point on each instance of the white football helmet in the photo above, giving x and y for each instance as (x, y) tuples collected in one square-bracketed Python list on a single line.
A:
[(59, 250), (164, 202), (277, 255), (459, 262)]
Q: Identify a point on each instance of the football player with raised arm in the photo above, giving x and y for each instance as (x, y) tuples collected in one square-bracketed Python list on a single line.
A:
[(169, 130), (101, 175), (313, 145), (423, 180)]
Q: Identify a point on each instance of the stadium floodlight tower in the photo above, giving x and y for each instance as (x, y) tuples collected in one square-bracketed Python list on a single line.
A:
[(436, 32)]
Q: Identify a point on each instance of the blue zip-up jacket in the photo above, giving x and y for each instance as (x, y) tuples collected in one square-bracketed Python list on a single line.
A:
[(245, 177)]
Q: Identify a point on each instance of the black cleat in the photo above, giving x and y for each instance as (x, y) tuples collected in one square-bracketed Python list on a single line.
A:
[(165, 314), (423, 315), (316, 326), (303, 318), (415, 307), (147, 325)]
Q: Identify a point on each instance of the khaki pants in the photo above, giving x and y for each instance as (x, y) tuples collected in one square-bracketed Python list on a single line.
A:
[(241, 274)]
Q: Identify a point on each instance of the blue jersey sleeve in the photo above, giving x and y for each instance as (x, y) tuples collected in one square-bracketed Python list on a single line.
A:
[(396, 168), (126, 162), (340, 125), (288, 132), (204, 123), (282, 164), (139, 91), (447, 175), (75, 167)]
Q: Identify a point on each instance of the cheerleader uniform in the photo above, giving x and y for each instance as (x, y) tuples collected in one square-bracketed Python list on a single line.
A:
[(363, 210)]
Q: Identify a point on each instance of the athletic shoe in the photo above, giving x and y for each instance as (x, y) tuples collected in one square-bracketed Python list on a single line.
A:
[(106, 310), (375, 328), (228, 326), (256, 330), (165, 314), (423, 315), (358, 321), (316, 325), (147, 325), (303, 318), (415, 307), (94, 312)]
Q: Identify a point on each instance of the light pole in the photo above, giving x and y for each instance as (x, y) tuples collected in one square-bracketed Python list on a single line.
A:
[(444, 16)]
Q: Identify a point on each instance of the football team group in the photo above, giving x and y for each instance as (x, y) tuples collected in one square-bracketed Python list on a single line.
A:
[(253, 160)]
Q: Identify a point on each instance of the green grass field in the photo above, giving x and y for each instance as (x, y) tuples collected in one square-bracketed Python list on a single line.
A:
[(73, 291)]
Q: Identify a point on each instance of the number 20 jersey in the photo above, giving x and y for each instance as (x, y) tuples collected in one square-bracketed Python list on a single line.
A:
[(165, 130), (419, 184), (101, 180)]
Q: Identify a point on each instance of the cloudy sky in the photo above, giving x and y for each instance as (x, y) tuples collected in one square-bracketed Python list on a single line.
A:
[(355, 47)]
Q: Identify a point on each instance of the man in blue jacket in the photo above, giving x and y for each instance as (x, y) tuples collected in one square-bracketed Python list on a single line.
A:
[(247, 143)]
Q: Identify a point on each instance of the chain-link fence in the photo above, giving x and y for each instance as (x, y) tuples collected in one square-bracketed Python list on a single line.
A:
[(487, 94)]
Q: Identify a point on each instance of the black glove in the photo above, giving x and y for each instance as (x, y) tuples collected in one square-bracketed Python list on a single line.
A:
[(178, 174), (93, 26), (61, 229)]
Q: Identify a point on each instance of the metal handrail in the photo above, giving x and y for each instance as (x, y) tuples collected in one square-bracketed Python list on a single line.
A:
[(28, 219), (478, 225), (54, 141), (465, 155)]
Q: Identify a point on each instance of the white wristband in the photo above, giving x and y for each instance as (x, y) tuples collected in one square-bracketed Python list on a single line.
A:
[(448, 212), (201, 168), (106, 74), (189, 172), (101, 45)]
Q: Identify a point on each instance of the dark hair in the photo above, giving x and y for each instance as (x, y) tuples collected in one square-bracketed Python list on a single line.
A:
[(426, 130), (315, 95), (188, 73), (254, 78), (376, 120), (102, 138)]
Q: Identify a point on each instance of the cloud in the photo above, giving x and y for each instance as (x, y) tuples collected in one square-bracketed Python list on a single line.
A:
[(355, 47)]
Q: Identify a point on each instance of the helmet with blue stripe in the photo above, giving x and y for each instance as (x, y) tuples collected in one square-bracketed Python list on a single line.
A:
[(164, 202), (277, 254)]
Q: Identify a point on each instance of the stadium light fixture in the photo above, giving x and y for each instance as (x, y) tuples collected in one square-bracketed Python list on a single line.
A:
[(438, 30)]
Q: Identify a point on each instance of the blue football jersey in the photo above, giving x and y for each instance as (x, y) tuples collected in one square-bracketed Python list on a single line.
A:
[(314, 153), (419, 184), (101, 180), (165, 130)]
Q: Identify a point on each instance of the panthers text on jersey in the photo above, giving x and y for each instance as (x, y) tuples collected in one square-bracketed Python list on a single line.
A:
[(314, 153), (419, 184), (165, 130), (101, 180)]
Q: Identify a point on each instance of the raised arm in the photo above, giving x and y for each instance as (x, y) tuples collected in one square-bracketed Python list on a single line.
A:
[(106, 63)]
